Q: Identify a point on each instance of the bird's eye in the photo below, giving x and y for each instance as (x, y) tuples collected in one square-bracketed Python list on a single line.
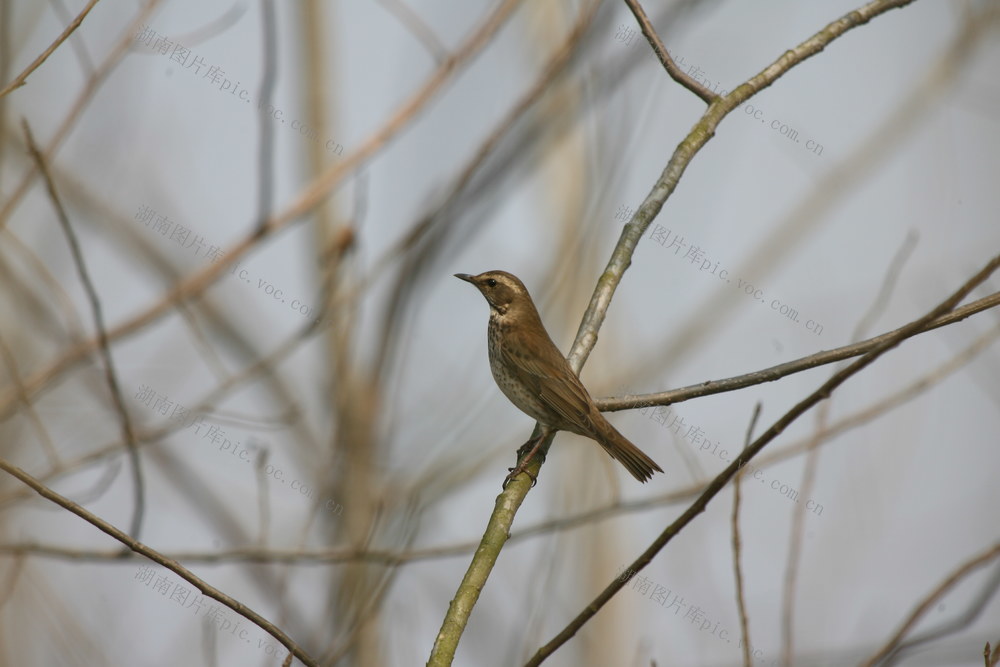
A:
[(491, 283)]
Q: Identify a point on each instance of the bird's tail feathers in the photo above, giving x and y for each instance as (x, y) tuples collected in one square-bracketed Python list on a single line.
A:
[(630, 456)]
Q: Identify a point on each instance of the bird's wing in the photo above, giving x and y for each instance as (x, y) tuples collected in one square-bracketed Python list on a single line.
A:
[(542, 367)]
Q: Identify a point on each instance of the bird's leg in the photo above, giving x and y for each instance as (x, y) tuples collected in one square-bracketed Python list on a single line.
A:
[(525, 454)]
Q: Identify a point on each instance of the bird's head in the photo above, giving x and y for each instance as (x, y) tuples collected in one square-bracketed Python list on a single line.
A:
[(501, 289)]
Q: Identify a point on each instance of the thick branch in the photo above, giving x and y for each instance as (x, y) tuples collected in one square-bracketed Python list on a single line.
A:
[(497, 532)]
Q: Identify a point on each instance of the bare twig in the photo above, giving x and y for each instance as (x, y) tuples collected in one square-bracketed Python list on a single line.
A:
[(263, 498), (75, 41), (74, 325), (963, 571), (668, 63), (782, 370), (412, 21), (720, 481), (957, 623), (128, 435), (10, 361), (265, 123), (156, 557), (21, 78), (737, 569)]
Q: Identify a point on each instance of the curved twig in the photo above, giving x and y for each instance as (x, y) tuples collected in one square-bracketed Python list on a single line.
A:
[(668, 63), (128, 433), (931, 599)]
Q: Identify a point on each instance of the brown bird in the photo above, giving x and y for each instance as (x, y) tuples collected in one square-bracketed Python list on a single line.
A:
[(532, 372)]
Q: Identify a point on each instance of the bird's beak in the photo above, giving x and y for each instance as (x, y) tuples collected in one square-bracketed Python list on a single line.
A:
[(466, 277)]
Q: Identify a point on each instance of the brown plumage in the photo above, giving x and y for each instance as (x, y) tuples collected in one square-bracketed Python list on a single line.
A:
[(532, 372)]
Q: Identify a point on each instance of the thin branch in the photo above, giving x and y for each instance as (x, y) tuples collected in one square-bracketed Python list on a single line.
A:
[(156, 557), (21, 78), (265, 123), (668, 63), (889, 283), (128, 434), (720, 481), (239, 555), (211, 28), (412, 21), (10, 582), (737, 569), (773, 373), (74, 325), (75, 41), (263, 498), (10, 361), (932, 598), (956, 624)]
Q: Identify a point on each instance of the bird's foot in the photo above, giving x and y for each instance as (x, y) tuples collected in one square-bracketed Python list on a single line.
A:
[(517, 470), (525, 454)]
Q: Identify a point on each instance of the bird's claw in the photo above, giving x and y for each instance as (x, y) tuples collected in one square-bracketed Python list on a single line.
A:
[(514, 472)]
